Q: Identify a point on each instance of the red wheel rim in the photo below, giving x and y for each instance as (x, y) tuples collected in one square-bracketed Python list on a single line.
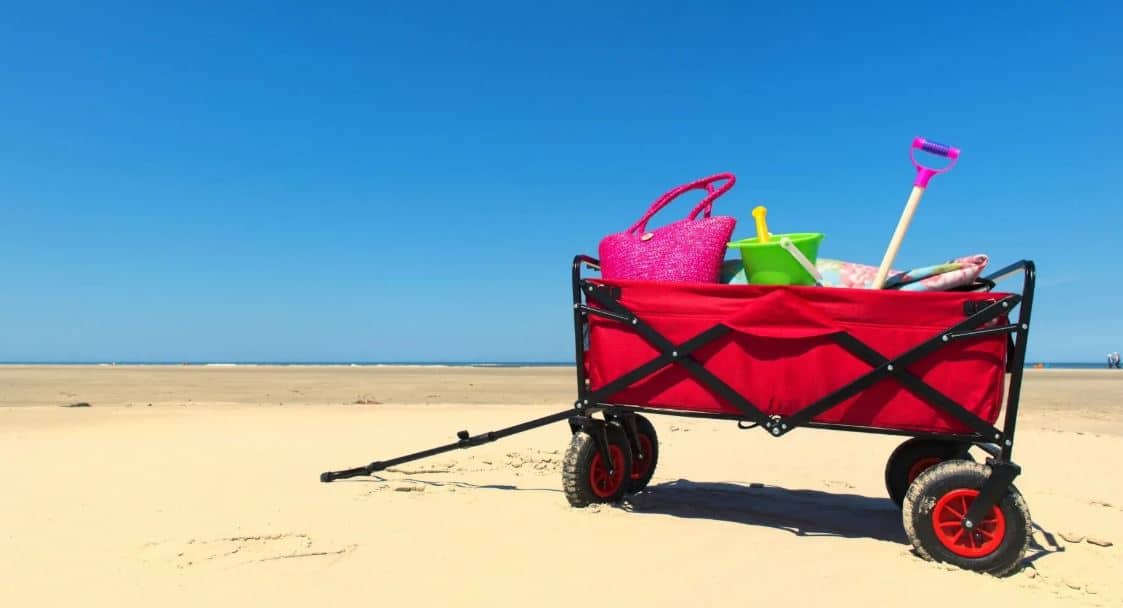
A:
[(947, 522), (642, 462), (602, 483), (922, 465)]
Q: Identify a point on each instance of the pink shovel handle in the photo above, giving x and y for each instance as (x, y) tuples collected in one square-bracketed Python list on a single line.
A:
[(923, 174)]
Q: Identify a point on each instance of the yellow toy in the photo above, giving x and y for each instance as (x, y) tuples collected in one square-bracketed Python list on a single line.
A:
[(761, 226)]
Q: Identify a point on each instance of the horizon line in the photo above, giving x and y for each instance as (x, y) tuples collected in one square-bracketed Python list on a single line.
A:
[(220, 362)]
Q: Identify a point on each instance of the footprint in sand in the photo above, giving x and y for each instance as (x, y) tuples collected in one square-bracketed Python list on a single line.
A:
[(518, 463), (426, 470), (540, 462), (238, 550), (1104, 504), (537, 461)]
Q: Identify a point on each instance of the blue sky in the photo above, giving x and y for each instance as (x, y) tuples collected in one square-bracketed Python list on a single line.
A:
[(409, 181)]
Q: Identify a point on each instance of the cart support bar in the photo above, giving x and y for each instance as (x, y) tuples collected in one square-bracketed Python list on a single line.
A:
[(1001, 329), (1002, 474), (465, 441)]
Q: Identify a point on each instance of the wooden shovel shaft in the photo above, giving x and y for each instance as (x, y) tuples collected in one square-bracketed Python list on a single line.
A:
[(898, 236)]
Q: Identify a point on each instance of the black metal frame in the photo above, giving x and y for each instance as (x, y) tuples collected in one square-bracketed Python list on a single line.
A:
[(998, 443)]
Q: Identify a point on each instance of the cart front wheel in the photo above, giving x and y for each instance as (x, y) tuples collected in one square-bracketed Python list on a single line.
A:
[(933, 512), (587, 478), (915, 456), (643, 462)]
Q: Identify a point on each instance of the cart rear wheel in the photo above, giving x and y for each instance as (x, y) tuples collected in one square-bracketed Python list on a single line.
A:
[(933, 513), (586, 477), (915, 456), (644, 461)]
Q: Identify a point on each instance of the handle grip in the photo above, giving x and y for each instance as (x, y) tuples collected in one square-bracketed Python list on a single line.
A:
[(759, 213), (330, 476), (705, 206), (935, 148), (923, 174), (787, 244)]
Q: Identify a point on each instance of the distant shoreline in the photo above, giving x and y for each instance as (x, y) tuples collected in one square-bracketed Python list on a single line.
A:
[(442, 364), (274, 364)]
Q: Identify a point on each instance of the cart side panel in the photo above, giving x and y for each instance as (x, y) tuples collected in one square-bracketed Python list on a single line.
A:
[(782, 357)]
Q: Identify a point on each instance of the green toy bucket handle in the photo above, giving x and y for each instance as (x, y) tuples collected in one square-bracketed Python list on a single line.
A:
[(790, 247)]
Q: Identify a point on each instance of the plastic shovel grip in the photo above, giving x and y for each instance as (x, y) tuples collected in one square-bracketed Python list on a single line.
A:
[(923, 174), (935, 148)]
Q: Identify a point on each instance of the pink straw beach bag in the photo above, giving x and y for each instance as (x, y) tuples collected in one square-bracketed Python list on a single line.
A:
[(689, 250)]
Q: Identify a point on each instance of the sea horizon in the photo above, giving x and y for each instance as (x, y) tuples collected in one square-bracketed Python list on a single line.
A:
[(303, 363), (496, 364)]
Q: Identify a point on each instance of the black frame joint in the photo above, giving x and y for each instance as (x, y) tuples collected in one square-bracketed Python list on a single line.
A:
[(1002, 474)]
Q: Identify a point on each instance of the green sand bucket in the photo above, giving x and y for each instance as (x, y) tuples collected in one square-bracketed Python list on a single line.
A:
[(770, 264)]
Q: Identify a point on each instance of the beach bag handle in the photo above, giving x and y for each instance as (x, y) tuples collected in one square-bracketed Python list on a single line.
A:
[(705, 207)]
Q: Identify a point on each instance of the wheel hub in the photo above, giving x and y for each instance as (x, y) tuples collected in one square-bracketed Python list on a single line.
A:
[(641, 463), (978, 540), (605, 481), (921, 465)]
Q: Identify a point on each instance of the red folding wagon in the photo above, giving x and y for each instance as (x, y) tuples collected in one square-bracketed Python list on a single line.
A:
[(936, 367)]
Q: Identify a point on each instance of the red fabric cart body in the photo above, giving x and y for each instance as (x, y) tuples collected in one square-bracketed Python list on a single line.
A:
[(781, 356)]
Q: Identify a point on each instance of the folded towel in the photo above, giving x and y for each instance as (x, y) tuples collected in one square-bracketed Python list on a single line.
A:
[(837, 273)]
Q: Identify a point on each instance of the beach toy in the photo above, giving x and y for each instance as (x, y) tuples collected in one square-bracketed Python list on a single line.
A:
[(784, 259), (768, 262), (761, 226), (923, 174)]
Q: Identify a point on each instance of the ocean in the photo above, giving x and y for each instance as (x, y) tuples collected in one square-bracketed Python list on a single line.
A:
[(499, 364), (1102, 365)]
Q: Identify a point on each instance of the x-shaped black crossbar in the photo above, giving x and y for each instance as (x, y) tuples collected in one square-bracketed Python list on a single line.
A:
[(883, 367)]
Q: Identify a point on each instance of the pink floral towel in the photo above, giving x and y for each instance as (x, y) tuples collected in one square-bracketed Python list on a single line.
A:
[(836, 273)]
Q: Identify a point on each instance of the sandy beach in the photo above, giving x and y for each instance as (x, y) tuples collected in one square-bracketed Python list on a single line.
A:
[(187, 486)]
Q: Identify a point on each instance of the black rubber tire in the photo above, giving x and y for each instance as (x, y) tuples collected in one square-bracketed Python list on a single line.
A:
[(578, 463), (922, 497), (644, 429), (899, 465)]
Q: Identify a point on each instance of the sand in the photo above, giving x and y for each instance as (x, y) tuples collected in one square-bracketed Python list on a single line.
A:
[(209, 496)]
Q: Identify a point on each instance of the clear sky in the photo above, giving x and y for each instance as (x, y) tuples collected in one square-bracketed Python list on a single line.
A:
[(276, 181)]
